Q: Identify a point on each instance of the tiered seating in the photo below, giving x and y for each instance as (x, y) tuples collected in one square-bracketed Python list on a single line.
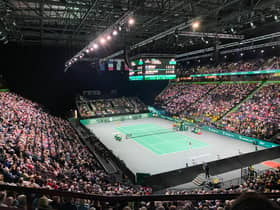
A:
[(176, 98), (252, 65), (258, 117), (40, 150), (218, 101), (84, 109), (109, 107)]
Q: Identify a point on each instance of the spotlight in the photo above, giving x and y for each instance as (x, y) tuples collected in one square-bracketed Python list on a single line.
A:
[(115, 33), (95, 46), (102, 41), (120, 28), (207, 42), (225, 57), (87, 50), (276, 18), (262, 51), (75, 59), (131, 21), (211, 59), (6, 41), (109, 37), (91, 49), (195, 25), (232, 30), (241, 54)]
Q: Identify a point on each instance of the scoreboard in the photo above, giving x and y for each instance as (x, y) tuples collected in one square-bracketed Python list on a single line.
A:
[(152, 69)]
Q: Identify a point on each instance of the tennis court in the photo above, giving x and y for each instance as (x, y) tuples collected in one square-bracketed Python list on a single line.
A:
[(154, 148), (158, 139)]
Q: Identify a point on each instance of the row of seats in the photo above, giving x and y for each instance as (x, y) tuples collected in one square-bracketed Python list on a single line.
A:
[(212, 104), (40, 150), (257, 117), (109, 107), (240, 66)]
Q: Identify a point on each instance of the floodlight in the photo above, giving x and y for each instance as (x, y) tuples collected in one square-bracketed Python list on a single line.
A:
[(102, 41), (115, 32), (131, 21), (195, 25)]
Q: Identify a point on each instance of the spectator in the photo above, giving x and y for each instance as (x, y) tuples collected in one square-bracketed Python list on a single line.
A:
[(253, 201)]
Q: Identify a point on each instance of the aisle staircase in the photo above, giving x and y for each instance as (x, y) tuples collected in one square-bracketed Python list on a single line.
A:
[(242, 101), (199, 180), (205, 94)]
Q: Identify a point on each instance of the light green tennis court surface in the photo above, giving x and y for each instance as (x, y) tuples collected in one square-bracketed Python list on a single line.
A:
[(160, 140)]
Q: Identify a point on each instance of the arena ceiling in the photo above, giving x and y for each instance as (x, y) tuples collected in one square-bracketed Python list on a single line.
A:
[(75, 23)]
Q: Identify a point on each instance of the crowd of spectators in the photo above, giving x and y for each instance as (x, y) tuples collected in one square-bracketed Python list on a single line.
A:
[(39, 150), (177, 97), (259, 116), (112, 106), (256, 117), (42, 151), (265, 182), (220, 100), (240, 66)]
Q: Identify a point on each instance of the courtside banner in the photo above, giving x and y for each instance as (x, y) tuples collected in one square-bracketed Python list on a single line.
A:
[(259, 142)]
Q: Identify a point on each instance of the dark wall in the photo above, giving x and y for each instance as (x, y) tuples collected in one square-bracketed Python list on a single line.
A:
[(185, 175), (38, 73)]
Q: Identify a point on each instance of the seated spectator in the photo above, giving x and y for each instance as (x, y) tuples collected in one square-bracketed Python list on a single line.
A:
[(42, 151), (109, 107), (253, 201), (258, 117)]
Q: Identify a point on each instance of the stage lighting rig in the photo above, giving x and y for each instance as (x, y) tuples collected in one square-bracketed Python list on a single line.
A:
[(126, 21)]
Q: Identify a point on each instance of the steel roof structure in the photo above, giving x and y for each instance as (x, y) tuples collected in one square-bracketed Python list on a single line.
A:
[(76, 23)]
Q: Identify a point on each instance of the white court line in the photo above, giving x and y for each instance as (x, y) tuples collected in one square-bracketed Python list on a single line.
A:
[(141, 145), (154, 146)]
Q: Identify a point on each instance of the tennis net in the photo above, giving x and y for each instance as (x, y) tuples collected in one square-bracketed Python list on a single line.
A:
[(148, 133)]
